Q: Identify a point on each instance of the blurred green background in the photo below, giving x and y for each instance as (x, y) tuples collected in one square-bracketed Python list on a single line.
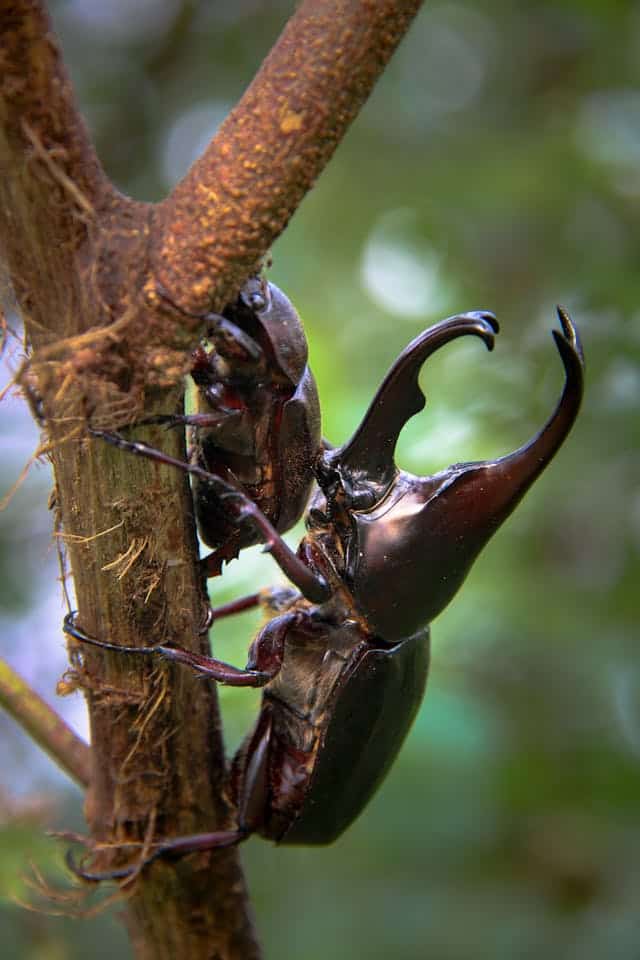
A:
[(497, 165)]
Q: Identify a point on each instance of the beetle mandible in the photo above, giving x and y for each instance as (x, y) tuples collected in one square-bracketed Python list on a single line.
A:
[(344, 661), (258, 420)]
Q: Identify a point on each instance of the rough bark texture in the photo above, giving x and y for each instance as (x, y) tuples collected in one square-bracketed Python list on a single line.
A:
[(76, 253), (84, 263), (239, 196)]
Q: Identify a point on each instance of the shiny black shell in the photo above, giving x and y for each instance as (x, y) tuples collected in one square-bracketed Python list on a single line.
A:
[(269, 441), (277, 316), (368, 717)]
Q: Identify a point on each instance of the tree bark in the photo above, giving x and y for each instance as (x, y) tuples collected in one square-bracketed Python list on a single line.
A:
[(85, 264)]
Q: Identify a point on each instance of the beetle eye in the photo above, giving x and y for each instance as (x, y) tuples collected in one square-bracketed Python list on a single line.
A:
[(257, 302), (256, 294)]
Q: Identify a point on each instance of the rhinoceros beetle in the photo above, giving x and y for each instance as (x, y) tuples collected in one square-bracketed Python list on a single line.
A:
[(343, 660), (258, 419)]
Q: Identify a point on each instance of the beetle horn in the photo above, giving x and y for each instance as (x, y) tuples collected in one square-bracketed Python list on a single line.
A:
[(473, 499), (370, 451), (429, 530), (490, 490)]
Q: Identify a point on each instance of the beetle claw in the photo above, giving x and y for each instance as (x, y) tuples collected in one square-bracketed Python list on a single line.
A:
[(90, 876)]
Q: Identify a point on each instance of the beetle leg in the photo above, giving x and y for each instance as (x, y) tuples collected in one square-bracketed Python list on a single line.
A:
[(274, 599), (253, 758), (205, 666), (212, 563), (226, 427), (311, 585), (169, 420), (219, 326), (235, 606), (267, 650), (191, 843), (217, 323), (213, 668)]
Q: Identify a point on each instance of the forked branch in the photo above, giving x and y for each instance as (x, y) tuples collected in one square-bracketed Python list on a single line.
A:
[(85, 264)]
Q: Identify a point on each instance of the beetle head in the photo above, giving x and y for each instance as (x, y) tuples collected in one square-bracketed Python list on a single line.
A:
[(412, 540), (262, 304)]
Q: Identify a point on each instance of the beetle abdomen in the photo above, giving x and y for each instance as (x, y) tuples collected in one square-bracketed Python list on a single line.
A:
[(372, 712)]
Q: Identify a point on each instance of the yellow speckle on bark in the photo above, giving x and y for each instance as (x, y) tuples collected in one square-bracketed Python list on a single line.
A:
[(290, 122), (201, 290)]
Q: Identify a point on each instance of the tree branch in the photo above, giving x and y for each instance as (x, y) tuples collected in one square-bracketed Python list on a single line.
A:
[(239, 196), (43, 725), (80, 256), (77, 256)]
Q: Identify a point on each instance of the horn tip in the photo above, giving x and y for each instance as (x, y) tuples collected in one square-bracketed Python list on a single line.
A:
[(569, 336), (486, 317)]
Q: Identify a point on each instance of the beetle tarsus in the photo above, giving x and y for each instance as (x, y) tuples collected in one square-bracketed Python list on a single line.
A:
[(180, 846), (71, 628), (91, 876)]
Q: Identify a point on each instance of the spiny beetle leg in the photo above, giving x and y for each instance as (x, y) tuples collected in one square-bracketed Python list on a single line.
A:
[(235, 606), (274, 600), (311, 585), (205, 666), (170, 420), (191, 843), (213, 562)]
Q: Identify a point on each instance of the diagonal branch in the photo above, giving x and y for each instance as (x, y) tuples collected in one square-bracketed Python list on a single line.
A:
[(239, 196), (43, 725)]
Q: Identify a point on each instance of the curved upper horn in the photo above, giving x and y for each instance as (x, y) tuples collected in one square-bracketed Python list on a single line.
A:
[(370, 451), (417, 544)]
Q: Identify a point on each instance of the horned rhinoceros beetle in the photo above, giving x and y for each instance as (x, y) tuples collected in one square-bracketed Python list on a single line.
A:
[(344, 661), (258, 419)]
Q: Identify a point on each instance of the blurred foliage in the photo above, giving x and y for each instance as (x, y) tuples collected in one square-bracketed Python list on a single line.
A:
[(497, 165)]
